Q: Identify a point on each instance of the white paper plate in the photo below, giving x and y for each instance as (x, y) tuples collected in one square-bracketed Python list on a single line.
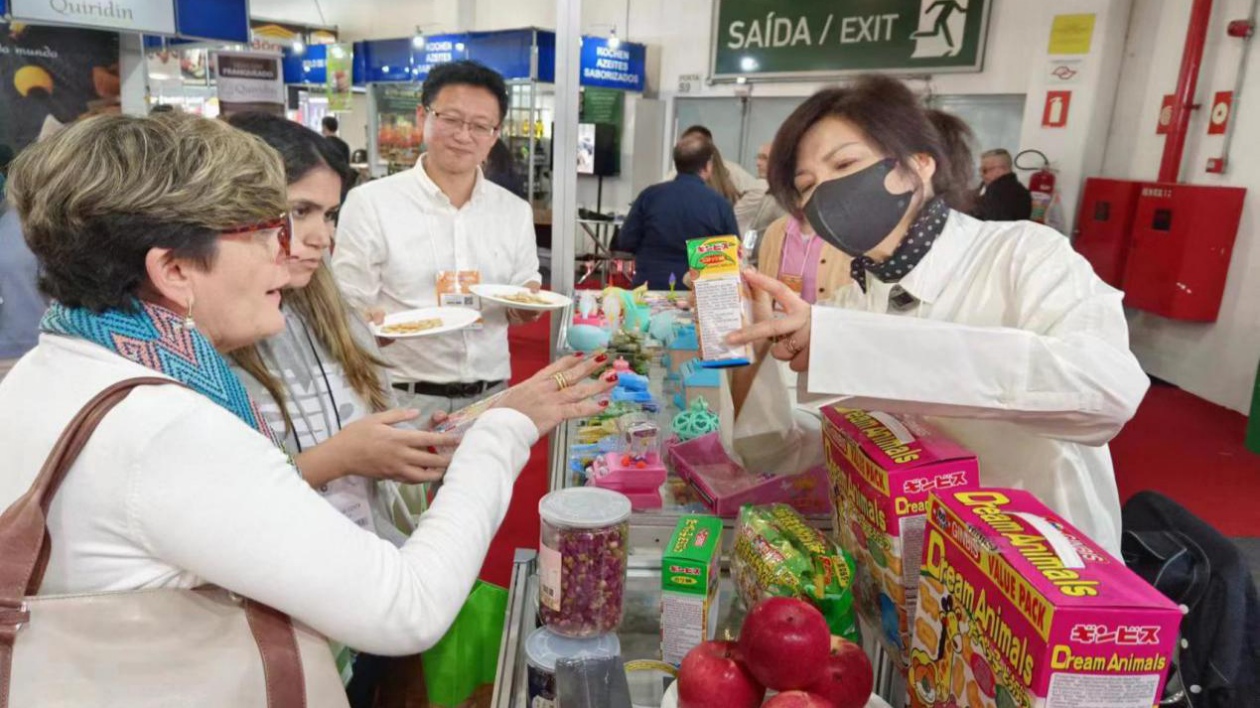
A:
[(453, 318), (495, 293), (670, 699)]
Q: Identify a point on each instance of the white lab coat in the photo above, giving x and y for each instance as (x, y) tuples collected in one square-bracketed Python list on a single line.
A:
[(1015, 348)]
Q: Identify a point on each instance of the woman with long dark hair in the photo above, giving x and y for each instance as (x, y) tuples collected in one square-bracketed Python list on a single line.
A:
[(999, 331)]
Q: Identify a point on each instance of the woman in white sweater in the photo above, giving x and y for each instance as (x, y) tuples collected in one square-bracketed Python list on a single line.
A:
[(159, 242)]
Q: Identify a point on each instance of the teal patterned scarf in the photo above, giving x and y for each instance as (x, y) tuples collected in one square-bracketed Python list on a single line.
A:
[(155, 337)]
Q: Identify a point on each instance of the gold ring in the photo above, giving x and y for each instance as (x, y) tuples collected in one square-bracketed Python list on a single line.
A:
[(560, 380)]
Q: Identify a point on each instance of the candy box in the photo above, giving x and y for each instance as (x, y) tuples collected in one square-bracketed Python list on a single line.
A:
[(883, 468), (1018, 609), (720, 299), (690, 578)]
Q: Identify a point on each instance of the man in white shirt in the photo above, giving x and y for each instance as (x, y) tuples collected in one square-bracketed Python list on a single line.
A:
[(422, 237)]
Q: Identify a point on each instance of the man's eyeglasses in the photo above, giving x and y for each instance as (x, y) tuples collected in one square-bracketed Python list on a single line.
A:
[(453, 124), (282, 225)]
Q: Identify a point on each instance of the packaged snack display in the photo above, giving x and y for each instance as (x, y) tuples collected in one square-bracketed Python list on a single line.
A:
[(1018, 609), (778, 554), (690, 578), (883, 468), (543, 649), (582, 560), (720, 299)]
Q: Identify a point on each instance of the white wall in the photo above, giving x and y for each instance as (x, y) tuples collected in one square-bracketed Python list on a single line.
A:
[(1216, 361)]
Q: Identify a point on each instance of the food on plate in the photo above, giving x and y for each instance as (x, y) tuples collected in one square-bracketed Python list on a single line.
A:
[(848, 679), (713, 676), (785, 643), (412, 327), (526, 298)]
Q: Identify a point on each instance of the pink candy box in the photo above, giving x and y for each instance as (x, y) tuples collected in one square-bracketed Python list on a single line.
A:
[(883, 468), (1018, 608), (726, 486), (641, 482)]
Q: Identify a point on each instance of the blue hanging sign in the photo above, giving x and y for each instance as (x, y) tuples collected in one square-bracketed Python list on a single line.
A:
[(221, 20), (386, 60), (621, 67), (309, 68), (506, 52)]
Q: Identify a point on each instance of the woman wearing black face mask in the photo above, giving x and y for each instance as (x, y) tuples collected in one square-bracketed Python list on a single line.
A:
[(998, 331)]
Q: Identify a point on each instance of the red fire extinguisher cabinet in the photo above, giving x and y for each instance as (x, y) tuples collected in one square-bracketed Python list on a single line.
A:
[(1182, 239), (1105, 225)]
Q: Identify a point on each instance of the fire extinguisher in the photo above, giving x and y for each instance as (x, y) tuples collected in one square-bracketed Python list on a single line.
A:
[(1041, 184)]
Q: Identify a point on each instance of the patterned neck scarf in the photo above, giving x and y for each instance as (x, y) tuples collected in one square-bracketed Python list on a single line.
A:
[(918, 241), (155, 337)]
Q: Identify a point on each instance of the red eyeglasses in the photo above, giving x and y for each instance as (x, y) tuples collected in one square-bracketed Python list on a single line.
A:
[(282, 224)]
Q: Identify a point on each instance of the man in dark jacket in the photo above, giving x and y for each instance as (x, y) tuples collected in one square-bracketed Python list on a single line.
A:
[(331, 126), (1002, 198), (667, 215)]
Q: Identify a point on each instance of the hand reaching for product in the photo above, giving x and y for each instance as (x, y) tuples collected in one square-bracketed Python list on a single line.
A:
[(560, 392), (373, 447)]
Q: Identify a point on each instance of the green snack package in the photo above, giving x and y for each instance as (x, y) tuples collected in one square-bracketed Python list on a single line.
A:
[(832, 573), (778, 554)]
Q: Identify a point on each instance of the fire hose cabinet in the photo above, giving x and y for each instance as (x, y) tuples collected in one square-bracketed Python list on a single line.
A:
[(1183, 238), (1105, 225)]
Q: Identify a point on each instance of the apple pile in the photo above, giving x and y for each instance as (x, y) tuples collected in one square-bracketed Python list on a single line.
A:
[(784, 646)]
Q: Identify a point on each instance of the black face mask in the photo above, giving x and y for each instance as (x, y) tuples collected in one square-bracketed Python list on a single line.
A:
[(855, 213)]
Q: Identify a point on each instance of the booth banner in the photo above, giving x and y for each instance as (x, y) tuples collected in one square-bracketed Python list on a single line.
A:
[(339, 63), (811, 38), (249, 82), (621, 67), (151, 16), (399, 128), (52, 76)]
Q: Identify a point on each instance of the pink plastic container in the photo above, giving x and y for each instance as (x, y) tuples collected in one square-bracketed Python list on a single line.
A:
[(725, 486)]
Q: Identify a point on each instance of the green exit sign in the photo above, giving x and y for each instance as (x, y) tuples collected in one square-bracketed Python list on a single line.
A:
[(771, 39)]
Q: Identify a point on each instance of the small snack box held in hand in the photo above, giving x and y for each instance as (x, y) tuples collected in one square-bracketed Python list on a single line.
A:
[(1017, 608), (883, 467), (720, 300), (690, 577)]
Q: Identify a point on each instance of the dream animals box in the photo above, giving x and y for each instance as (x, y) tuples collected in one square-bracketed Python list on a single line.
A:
[(1018, 609), (883, 468)]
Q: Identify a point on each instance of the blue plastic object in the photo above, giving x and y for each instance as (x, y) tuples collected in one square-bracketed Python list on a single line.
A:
[(695, 421), (685, 340), (588, 338)]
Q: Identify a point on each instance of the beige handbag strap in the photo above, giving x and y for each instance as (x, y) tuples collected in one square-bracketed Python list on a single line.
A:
[(25, 547)]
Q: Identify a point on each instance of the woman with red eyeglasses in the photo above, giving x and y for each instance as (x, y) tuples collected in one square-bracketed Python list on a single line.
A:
[(159, 243)]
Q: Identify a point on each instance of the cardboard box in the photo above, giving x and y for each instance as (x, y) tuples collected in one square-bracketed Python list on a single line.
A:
[(691, 573), (883, 469), (721, 299), (1018, 608)]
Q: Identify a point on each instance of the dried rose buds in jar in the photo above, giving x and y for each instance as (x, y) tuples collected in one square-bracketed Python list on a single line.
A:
[(582, 560)]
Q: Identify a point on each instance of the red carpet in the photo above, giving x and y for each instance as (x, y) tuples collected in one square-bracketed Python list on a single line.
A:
[(1192, 451), (530, 352)]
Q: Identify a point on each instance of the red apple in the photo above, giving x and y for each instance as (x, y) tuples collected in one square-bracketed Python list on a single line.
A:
[(798, 699), (785, 642), (713, 676), (848, 679)]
